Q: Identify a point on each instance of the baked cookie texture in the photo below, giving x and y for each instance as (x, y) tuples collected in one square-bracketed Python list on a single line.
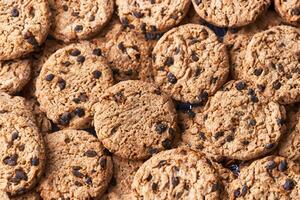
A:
[(190, 64), (152, 16), (134, 120), (289, 11), (178, 173), (272, 177), (272, 63), (70, 83), (233, 13), (24, 26), (78, 20), (77, 166)]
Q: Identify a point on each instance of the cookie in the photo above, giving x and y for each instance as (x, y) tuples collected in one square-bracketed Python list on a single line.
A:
[(289, 10), (230, 13), (238, 39), (268, 178), (152, 16), (32, 195), (79, 19), (239, 123), (290, 143), (70, 83), (14, 75), (190, 64), (127, 52), (24, 26), (134, 120), (120, 186), (79, 158), (22, 152), (272, 63), (177, 174)]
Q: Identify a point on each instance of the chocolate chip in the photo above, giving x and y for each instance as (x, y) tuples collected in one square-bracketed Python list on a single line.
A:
[(79, 112), (237, 193), (254, 99), (244, 190), (15, 12), (97, 52), (282, 166), (280, 122), (167, 144), (171, 78), (296, 11), (160, 127), (149, 177), (289, 184), (76, 172), (65, 7), (49, 77), (229, 138), (258, 71), (152, 150), (122, 47), (78, 184), (276, 85), (153, 28), (191, 114), (261, 87), (157, 92), (64, 119), (217, 187), (169, 61), (21, 175), (124, 21), (269, 146), (103, 162), (11, 160), (252, 122), (75, 52), (75, 14), (88, 180), (31, 40), (154, 186), (202, 136), (66, 63), (203, 97), (198, 72), (240, 85), (175, 181), (35, 161), (14, 135), (78, 28), (143, 27), (198, 2), (195, 57), (97, 74), (218, 134), (271, 165), (80, 59), (107, 152), (61, 84), (213, 80), (90, 153), (245, 142), (137, 14), (162, 163)]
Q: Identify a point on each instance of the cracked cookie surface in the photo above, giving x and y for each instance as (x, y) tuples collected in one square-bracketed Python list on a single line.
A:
[(289, 11)]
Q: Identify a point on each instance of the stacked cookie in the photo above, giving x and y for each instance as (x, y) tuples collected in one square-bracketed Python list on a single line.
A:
[(149, 99)]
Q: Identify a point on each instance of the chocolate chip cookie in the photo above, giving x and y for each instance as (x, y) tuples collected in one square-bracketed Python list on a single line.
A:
[(268, 178), (14, 75), (32, 195), (134, 120), (152, 16), (289, 10), (79, 19), (233, 13), (190, 64), (77, 166), (24, 26), (272, 63), (177, 174), (70, 83), (22, 151)]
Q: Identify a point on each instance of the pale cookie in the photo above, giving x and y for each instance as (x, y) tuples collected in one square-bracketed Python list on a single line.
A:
[(24, 26), (238, 39), (290, 144), (134, 120), (268, 178), (234, 13), (190, 64), (14, 75), (79, 19), (77, 166), (22, 152), (71, 82), (240, 123), (272, 63), (289, 10), (152, 16), (177, 174)]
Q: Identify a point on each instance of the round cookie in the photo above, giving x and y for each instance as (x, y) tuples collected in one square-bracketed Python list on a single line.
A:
[(177, 174), (24, 26), (239, 123), (152, 16), (134, 120), (79, 158), (190, 63), (70, 83), (22, 152), (238, 39), (268, 178), (124, 171), (272, 63), (233, 13), (14, 75), (290, 144), (79, 19), (289, 10)]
